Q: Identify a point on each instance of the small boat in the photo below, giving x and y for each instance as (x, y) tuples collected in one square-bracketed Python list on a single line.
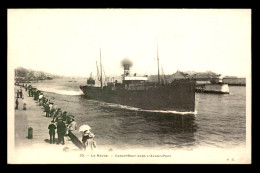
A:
[(215, 85)]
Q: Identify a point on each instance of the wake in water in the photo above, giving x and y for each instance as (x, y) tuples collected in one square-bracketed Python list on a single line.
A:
[(60, 91), (65, 92), (113, 105)]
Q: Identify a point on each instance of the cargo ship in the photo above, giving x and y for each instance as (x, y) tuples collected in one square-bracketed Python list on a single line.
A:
[(136, 91)]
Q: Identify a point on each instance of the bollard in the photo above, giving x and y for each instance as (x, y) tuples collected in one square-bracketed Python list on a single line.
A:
[(30, 133), (24, 106)]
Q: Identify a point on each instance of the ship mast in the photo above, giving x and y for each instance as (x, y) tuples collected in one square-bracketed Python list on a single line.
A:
[(101, 81), (97, 71), (158, 66)]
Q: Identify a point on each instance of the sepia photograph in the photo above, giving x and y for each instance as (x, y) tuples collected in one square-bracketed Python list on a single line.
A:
[(129, 86)]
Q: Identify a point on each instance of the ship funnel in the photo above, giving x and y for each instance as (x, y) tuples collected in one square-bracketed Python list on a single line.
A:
[(126, 63), (126, 69)]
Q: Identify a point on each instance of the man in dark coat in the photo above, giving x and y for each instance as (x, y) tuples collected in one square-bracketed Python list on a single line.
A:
[(16, 104), (43, 100), (47, 109), (64, 116), (61, 130), (17, 94), (52, 128), (36, 94), (21, 93), (30, 90)]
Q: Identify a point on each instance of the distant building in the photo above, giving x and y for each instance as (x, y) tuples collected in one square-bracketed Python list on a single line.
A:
[(49, 78), (20, 79)]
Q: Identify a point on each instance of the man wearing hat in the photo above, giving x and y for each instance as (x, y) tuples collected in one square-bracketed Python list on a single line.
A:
[(69, 117), (54, 110), (16, 104), (61, 130), (48, 106), (64, 116), (40, 98), (57, 114), (50, 109), (52, 128)]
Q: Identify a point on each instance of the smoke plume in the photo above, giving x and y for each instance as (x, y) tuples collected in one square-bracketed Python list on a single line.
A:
[(126, 61)]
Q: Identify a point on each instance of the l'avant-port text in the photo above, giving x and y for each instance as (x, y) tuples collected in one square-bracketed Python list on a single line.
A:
[(143, 155)]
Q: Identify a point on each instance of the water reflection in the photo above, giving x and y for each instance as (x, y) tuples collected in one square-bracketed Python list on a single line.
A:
[(151, 129)]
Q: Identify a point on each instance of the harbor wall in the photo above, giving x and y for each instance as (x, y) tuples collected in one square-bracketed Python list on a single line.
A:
[(232, 81), (235, 81), (75, 140)]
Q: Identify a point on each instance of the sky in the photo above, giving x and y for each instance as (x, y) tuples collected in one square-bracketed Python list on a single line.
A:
[(69, 41)]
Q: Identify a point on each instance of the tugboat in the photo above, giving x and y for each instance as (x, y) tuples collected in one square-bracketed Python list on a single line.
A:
[(137, 91), (215, 85)]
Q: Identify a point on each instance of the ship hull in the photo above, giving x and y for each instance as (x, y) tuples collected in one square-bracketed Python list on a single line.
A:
[(178, 96)]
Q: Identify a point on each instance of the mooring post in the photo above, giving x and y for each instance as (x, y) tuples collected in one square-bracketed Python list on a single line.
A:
[(30, 133)]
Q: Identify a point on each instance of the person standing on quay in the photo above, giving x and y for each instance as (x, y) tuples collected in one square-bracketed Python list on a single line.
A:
[(64, 116), (47, 110), (52, 128), (71, 127), (24, 106), (16, 104), (43, 100), (69, 118), (50, 109), (61, 130), (21, 93), (45, 105), (54, 110), (40, 98), (32, 92), (88, 140), (29, 91), (17, 94), (36, 95), (57, 114)]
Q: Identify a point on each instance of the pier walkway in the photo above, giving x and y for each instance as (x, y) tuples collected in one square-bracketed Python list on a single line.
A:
[(34, 117)]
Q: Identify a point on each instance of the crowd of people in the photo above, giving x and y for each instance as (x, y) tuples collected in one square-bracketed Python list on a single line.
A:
[(19, 94), (61, 123)]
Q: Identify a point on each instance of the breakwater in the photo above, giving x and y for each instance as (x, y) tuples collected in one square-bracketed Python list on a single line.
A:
[(235, 81), (229, 81)]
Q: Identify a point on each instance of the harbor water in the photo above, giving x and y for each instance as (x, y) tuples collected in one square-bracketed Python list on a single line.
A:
[(220, 120)]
